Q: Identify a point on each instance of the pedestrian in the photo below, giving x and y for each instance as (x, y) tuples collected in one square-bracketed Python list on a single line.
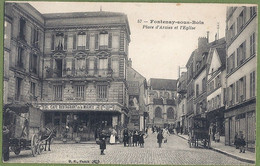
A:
[(217, 137), (135, 137), (236, 141), (112, 139), (165, 134), (102, 144), (141, 140), (130, 139), (159, 138), (241, 144), (125, 137), (6, 140), (153, 129), (213, 131)]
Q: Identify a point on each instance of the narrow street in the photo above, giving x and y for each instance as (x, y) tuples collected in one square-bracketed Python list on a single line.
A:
[(176, 152)]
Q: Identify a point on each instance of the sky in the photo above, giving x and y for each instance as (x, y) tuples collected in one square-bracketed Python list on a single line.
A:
[(156, 53)]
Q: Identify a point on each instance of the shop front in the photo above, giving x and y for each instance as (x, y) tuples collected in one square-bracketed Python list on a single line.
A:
[(80, 121), (241, 119)]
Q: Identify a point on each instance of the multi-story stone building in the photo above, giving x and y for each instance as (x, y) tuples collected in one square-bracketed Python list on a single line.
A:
[(72, 66), (182, 103), (241, 37), (162, 106), (190, 65), (137, 87), (216, 86), (23, 56)]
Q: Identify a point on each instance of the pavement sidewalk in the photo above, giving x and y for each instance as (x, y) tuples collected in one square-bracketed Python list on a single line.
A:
[(220, 147)]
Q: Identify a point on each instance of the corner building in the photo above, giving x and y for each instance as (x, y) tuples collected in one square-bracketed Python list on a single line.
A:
[(71, 67), (84, 71), (241, 37)]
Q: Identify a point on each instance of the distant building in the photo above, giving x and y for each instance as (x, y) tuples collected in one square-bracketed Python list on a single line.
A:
[(182, 120), (241, 37), (137, 87), (162, 106)]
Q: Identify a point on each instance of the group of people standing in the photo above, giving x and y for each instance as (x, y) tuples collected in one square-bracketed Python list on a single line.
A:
[(133, 138)]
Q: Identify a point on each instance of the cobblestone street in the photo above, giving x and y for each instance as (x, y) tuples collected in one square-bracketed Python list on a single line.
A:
[(176, 151)]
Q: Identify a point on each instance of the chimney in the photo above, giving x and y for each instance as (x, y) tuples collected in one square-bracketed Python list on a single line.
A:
[(202, 42), (208, 36), (130, 62)]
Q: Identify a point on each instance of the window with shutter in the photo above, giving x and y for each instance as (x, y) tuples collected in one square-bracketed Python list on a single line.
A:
[(252, 45), (110, 40), (74, 41), (96, 41), (87, 41), (66, 42), (52, 42)]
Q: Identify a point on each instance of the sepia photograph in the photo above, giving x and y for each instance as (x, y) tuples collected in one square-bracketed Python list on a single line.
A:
[(129, 83)]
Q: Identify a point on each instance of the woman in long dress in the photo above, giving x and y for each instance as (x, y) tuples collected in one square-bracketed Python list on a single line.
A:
[(113, 136)]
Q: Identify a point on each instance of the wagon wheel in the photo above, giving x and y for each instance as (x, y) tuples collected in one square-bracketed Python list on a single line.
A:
[(34, 145), (40, 147)]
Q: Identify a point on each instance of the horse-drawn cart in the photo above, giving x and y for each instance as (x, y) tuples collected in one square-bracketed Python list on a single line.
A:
[(198, 131), (23, 123)]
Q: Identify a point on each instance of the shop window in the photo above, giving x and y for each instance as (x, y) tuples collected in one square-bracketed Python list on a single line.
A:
[(158, 112), (102, 91), (57, 90)]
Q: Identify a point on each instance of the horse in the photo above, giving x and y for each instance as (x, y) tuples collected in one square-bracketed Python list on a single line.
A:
[(47, 135)]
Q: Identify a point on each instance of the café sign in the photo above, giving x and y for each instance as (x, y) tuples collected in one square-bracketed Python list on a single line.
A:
[(90, 107)]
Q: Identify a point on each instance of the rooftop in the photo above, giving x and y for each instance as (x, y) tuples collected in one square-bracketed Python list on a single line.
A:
[(163, 84)]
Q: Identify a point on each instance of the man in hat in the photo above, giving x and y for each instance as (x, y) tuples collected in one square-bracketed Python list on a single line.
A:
[(102, 144)]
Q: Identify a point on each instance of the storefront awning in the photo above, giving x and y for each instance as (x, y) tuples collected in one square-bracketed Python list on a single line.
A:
[(17, 107)]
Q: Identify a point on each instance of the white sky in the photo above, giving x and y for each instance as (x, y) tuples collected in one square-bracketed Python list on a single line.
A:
[(155, 53)]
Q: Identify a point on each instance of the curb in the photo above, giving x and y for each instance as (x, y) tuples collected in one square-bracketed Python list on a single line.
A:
[(227, 154)]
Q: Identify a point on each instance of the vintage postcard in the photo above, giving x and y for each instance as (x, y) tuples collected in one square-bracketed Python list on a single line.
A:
[(129, 83)]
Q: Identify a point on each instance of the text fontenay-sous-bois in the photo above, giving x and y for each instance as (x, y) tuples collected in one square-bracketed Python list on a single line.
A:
[(169, 25)]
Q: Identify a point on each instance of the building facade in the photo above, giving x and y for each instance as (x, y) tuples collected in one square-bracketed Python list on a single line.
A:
[(23, 55), (71, 66), (182, 120), (216, 88), (162, 106), (137, 87), (241, 37)]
